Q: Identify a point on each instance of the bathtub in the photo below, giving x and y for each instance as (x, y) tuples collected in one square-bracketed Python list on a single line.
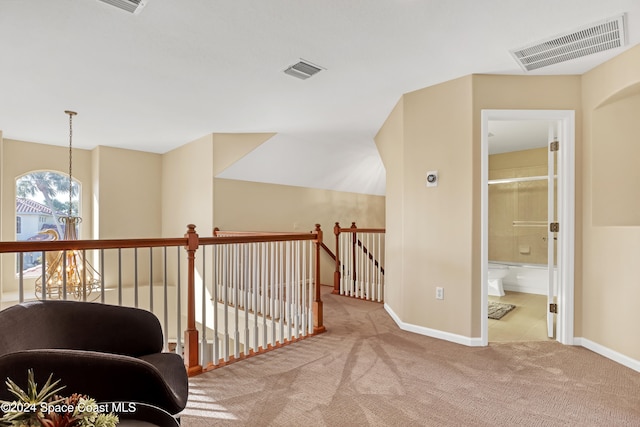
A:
[(526, 278)]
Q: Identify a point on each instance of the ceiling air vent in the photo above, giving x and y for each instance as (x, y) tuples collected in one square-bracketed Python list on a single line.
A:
[(303, 70), (604, 35), (132, 6)]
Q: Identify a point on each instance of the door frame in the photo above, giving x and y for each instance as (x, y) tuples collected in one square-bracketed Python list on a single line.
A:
[(566, 215)]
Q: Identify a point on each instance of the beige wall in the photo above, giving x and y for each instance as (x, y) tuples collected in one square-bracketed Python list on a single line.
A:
[(441, 226), (438, 226), (20, 158), (128, 193), (606, 267), (611, 239), (615, 129), (192, 194), (252, 206), (390, 143), (132, 194), (188, 175), (24, 157), (431, 130), (127, 204), (228, 148), (187, 183), (513, 202)]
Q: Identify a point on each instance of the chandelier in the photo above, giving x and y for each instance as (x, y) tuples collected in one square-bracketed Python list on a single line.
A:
[(69, 273)]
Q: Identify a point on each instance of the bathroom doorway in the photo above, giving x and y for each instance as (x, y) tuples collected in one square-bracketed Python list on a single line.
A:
[(528, 188)]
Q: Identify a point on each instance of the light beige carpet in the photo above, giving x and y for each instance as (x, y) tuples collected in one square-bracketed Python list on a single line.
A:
[(366, 372)]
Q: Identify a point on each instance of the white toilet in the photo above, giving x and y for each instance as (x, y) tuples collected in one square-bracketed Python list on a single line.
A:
[(495, 275)]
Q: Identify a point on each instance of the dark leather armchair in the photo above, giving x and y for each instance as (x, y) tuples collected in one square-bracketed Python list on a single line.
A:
[(107, 352)]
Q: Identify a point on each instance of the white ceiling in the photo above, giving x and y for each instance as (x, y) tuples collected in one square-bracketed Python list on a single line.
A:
[(183, 69)]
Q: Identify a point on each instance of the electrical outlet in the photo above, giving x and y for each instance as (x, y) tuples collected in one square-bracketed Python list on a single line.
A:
[(439, 293)]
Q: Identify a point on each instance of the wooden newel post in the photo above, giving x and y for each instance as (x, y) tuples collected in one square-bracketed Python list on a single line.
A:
[(318, 325), (191, 354), (336, 274)]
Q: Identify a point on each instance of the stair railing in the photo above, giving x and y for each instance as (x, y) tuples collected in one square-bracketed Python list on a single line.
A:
[(245, 293), (359, 262), (264, 292)]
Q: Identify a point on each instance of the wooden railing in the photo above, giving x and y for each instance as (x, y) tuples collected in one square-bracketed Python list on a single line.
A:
[(359, 255), (245, 293)]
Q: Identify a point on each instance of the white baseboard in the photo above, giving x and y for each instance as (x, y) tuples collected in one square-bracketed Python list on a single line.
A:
[(608, 353), (434, 333), (477, 342)]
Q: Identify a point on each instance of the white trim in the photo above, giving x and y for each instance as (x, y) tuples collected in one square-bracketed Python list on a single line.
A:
[(434, 333), (566, 238), (484, 228), (608, 353), (566, 212)]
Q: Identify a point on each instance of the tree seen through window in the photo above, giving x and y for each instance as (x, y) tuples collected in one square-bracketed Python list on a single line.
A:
[(42, 198)]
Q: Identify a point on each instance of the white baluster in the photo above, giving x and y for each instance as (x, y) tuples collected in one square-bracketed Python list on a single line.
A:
[(215, 298), (368, 267), (265, 276), (272, 294), (225, 299), (236, 301)]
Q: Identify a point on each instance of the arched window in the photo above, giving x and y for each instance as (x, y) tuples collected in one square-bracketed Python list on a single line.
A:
[(42, 198)]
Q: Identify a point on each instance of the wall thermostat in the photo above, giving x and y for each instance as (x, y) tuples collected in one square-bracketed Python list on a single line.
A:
[(432, 179)]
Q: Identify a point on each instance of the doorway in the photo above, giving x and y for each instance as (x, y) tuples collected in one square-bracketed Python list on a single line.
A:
[(560, 279)]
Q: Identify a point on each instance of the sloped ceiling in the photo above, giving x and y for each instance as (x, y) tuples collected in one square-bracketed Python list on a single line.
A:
[(180, 70), (314, 161)]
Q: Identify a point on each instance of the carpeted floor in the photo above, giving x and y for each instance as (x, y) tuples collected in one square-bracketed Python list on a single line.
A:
[(366, 372)]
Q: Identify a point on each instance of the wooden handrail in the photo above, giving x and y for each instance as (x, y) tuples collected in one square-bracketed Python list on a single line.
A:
[(61, 245), (363, 230), (221, 233), (355, 229), (328, 251), (257, 238)]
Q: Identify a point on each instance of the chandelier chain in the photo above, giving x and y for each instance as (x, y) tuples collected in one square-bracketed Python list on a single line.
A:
[(71, 114)]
